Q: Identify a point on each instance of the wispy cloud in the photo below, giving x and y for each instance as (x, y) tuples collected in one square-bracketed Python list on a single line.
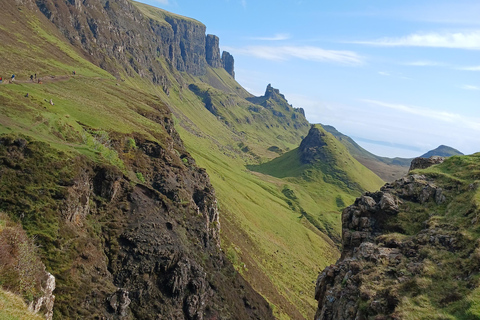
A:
[(424, 63), (284, 53), (244, 4), (443, 116), (458, 40), (472, 68), (276, 37), (165, 2), (470, 87), (398, 76)]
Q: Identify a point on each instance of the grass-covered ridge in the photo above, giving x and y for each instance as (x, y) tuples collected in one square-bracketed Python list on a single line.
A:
[(448, 286), (274, 227), (320, 177)]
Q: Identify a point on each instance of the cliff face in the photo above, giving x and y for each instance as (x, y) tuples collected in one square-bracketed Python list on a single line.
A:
[(414, 243), (284, 112), (229, 63), (213, 51), (116, 33), (120, 249)]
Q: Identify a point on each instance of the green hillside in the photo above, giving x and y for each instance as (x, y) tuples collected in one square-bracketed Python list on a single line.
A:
[(442, 151), (279, 221), (388, 169), (12, 307), (326, 177)]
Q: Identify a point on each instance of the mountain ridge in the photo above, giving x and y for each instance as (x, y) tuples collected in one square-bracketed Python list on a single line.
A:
[(135, 123), (389, 169)]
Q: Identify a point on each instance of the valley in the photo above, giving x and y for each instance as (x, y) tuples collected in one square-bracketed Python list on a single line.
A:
[(156, 187)]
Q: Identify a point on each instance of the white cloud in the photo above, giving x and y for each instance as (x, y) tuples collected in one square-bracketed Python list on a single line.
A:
[(165, 2), (424, 63), (276, 37), (443, 116), (382, 73), (473, 68), (283, 53), (458, 40), (470, 87), (244, 4)]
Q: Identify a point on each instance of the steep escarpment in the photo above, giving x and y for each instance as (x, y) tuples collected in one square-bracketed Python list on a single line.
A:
[(123, 249), (410, 250), (132, 36)]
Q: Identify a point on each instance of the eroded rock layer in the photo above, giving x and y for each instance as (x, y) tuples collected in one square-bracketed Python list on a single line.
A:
[(410, 250)]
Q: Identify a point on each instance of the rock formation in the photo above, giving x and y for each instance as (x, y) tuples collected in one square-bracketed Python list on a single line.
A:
[(311, 148), (212, 49), (46, 302), (395, 243), (117, 29), (126, 250), (423, 163), (228, 63)]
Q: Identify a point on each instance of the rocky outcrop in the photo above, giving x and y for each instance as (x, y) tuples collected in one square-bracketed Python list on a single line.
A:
[(284, 113), (228, 63), (212, 49), (389, 242), (114, 33), (311, 148), (423, 163), (121, 249), (45, 303)]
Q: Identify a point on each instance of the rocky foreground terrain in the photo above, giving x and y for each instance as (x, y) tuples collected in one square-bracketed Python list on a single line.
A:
[(410, 250)]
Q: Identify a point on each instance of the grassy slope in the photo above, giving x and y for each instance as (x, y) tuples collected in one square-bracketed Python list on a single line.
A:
[(320, 191), (276, 249), (388, 169), (448, 286), (12, 307), (271, 244)]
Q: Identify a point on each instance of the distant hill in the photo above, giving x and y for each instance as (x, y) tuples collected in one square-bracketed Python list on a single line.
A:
[(389, 169), (323, 167), (442, 151)]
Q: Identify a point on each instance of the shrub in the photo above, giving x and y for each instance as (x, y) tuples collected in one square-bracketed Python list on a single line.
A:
[(130, 144), (21, 270), (140, 177)]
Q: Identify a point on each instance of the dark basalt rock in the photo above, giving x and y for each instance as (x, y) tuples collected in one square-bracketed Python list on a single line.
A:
[(311, 147), (115, 33), (373, 257), (128, 250), (228, 63), (423, 163), (212, 50)]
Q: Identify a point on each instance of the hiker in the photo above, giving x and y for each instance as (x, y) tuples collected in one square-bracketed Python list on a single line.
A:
[(31, 77), (74, 73), (13, 77), (26, 96), (1, 79), (35, 76)]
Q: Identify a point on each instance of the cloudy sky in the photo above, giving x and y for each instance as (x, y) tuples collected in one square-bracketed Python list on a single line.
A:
[(400, 77)]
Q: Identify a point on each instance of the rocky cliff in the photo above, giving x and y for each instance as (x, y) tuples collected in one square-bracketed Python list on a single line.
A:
[(228, 63), (410, 250), (120, 34), (277, 104), (122, 249)]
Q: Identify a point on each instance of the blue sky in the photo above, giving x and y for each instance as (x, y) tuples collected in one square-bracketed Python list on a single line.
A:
[(400, 77)]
